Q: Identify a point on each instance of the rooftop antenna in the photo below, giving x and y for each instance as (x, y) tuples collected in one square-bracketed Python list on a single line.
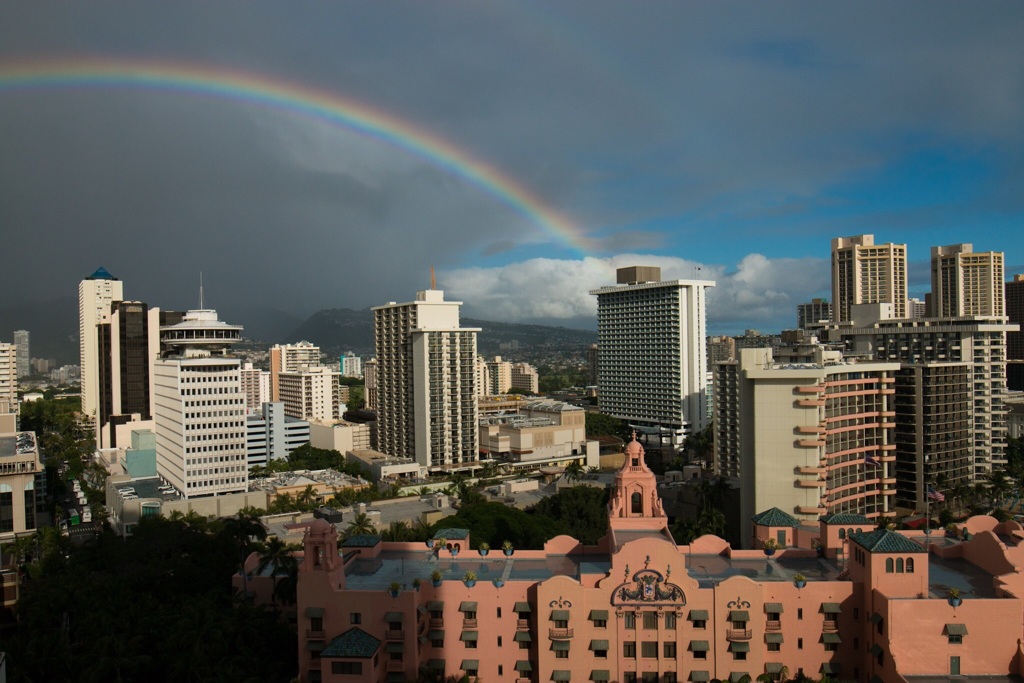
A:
[(201, 290), (433, 280)]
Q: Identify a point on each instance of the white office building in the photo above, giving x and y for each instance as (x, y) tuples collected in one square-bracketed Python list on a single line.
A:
[(426, 382), (95, 294), (199, 407), (271, 435), (653, 360)]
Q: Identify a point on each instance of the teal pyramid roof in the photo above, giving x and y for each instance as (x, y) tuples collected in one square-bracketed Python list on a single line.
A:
[(101, 274), (775, 517), (361, 541), (845, 518), (452, 534), (354, 642), (885, 541)]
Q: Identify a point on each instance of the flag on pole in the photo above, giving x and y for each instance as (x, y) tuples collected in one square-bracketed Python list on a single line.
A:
[(935, 495), (869, 460)]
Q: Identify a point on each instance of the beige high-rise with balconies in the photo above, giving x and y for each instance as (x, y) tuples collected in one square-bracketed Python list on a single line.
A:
[(867, 273), (807, 432), (289, 358), (426, 382), (967, 283)]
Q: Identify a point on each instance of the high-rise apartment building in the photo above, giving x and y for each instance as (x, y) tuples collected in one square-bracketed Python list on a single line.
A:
[(592, 361), (351, 365), (967, 283), (21, 340), (199, 407), (8, 376), (807, 433), (289, 358), (426, 382), (525, 377), (814, 312), (1015, 339), (313, 393), (978, 341), (370, 391), (653, 360), (255, 386), (95, 295), (867, 273), (496, 375), (932, 407), (720, 349)]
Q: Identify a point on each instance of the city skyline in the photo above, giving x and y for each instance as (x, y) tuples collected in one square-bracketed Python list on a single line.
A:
[(524, 150)]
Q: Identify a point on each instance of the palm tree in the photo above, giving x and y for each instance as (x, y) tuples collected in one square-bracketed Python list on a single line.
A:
[(307, 497), (278, 556), (360, 526), (397, 531), (574, 471), (240, 531), (998, 486)]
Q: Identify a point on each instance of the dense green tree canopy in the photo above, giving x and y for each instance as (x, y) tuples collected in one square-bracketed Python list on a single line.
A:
[(157, 606)]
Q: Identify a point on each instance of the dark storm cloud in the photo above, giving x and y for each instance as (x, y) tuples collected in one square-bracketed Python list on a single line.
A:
[(737, 120)]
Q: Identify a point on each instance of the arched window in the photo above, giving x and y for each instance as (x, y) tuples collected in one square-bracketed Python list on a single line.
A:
[(899, 565), (842, 534), (910, 565), (888, 565), (636, 503)]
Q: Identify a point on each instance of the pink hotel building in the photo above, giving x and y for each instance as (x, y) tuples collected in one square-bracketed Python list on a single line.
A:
[(868, 605)]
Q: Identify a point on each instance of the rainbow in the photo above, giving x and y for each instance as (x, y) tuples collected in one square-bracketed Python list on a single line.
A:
[(228, 84)]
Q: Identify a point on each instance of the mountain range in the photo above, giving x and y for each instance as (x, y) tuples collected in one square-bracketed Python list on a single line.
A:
[(53, 326)]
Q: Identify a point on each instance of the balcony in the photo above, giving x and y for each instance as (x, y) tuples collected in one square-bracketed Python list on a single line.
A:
[(560, 633), (522, 624), (773, 625), (810, 483), (393, 666), (810, 403), (317, 635), (830, 626), (469, 624), (738, 634), (810, 429), (810, 443), (392, 634), (436, 623)]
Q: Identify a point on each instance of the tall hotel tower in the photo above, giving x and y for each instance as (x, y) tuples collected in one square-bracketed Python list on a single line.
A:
[(867, 273), (199, 407), (95, 294), (426, 385), (967, 283), (653, 360)]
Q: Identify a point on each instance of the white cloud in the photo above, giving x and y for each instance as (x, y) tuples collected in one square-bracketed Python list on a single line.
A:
[(757, 291)]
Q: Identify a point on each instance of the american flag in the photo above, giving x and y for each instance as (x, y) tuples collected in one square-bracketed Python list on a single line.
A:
[(869, 460), (935, 495)]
